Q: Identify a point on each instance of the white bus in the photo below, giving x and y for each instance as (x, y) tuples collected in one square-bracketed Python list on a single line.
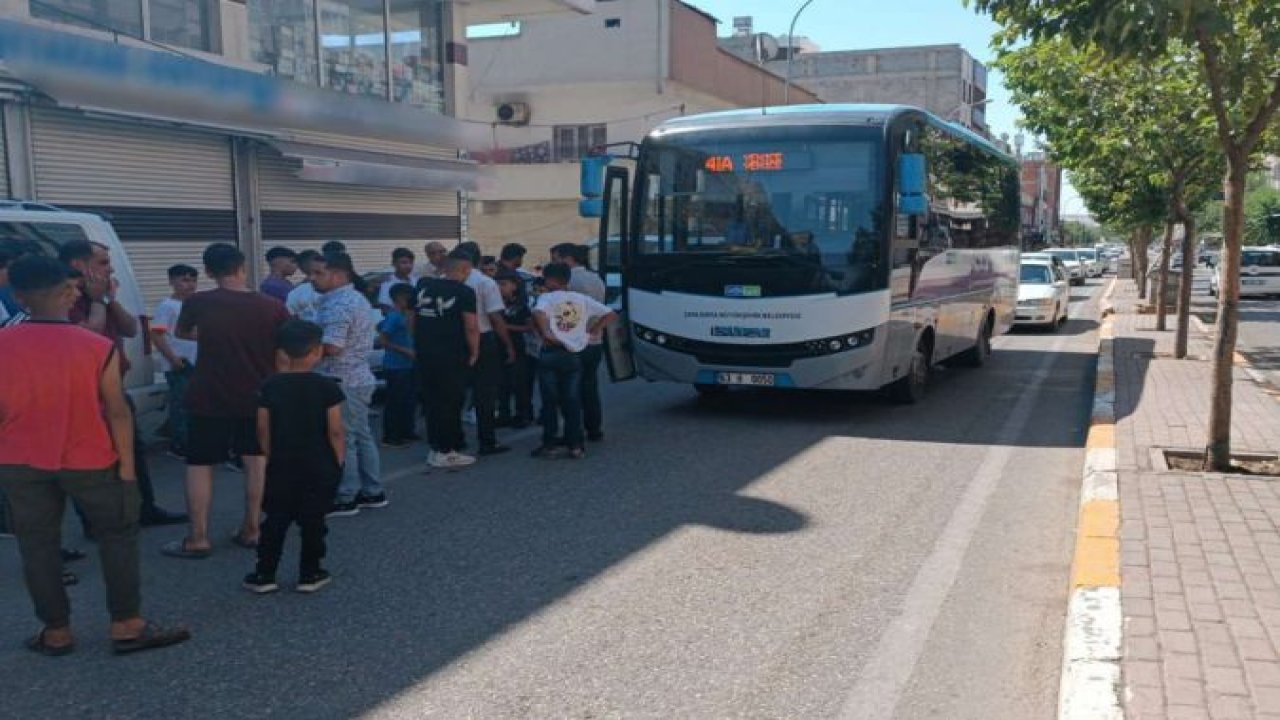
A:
[(843, 247)]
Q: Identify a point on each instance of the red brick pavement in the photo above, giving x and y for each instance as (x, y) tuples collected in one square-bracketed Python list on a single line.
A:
[(1200, 553)]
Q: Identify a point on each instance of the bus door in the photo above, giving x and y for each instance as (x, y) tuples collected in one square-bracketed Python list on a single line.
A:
[(613, 254)]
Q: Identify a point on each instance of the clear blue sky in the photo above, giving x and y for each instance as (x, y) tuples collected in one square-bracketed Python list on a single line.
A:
[(858, 24)]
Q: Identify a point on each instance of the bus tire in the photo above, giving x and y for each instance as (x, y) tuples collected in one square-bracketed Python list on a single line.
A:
[(910, 388), (977, 356)]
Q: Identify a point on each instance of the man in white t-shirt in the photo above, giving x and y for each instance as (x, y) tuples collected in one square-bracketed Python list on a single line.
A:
[(568, 321), (589, 283), (304, 300), (176, 357), (401, 274)]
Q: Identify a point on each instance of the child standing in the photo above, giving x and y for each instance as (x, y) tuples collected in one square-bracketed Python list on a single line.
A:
[(177, 356), (515, 377), (300, 431), (396, 334)]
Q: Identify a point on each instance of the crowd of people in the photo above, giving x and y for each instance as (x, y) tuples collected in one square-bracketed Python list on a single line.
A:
[(279, 382)]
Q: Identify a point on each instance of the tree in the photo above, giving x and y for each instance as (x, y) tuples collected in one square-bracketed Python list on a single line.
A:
[(1238, 45)]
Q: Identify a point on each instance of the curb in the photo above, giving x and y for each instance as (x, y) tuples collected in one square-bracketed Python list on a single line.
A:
[(1091, 684)]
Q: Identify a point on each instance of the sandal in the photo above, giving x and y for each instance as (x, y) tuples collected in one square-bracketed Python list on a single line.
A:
[(37, 644), (238, 539), (152, 637), (179, 549)]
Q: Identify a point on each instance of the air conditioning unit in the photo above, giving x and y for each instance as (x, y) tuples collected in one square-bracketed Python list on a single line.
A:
[(513, 113)]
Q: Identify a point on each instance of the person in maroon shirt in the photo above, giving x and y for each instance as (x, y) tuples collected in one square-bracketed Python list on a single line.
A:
[(98, 310), (234, 329)]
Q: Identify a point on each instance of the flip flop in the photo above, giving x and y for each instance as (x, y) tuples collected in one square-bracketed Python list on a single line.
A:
[(152, 637), (37, 644), (179, 549), (238, 539)]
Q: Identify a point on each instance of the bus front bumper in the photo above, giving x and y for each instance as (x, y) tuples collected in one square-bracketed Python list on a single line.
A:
[(855, 369)]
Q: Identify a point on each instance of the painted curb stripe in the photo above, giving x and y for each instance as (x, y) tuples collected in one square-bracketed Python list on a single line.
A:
[(1091, 678)]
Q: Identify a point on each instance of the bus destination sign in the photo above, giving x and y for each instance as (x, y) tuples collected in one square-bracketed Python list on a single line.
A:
[(750, 162)]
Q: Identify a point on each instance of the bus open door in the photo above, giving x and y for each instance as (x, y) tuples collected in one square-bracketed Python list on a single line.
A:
[(606, 192)]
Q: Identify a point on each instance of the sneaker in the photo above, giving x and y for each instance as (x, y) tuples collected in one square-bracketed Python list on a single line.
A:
[(312, 582), (259, 583), (576, 453), (450, 460), (179, 455), (372, 501), (236, 465), (344, 509)]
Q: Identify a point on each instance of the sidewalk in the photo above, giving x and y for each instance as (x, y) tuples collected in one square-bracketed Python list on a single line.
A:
[(1199, 553)]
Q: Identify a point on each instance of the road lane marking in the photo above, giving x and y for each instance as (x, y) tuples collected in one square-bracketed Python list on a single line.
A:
[(890, 666)]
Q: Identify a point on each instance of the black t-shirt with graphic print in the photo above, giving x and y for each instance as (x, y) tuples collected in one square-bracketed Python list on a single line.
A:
[(439, 327)]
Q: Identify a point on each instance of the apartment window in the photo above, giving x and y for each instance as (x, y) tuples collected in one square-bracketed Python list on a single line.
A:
[(574, 142), (416, 43), (182, 23), (353, 46)]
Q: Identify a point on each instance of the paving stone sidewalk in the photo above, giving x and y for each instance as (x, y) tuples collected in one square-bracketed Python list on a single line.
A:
[(1200, 553)]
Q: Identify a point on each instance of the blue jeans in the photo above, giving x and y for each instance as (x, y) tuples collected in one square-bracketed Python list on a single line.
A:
[(178, 381), (363, 471), (560, 376)]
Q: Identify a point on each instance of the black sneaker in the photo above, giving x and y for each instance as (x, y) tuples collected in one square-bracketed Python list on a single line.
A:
[(259, 583), (344, 509), (372, 501), (312, 582), (493, 450)]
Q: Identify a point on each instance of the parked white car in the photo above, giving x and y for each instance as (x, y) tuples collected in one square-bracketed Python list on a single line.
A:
[(1070, 257), (1044, 295), (1093, 264), (1259, 273)]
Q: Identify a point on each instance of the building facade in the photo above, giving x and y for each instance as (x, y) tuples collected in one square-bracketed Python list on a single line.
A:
[(553, 88), (256, 122), (1041, 200), (943, 79)]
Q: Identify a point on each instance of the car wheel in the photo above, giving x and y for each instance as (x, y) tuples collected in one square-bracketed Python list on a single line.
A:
[(978, 355)]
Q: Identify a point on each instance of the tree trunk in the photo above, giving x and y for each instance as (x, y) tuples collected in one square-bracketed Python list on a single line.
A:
[(1184, 290), (1162, 288), (1218, 450)]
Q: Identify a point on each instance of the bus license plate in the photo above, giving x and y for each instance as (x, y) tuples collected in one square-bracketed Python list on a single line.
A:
[(756, 379), (1253, 281)]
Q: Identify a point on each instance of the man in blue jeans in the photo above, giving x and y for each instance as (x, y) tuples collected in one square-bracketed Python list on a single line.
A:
[(567, 321), (349, 331)]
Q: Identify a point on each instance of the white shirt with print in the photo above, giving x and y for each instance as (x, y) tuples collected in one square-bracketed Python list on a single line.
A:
[(568, 315), (165, 319), (488, 298)]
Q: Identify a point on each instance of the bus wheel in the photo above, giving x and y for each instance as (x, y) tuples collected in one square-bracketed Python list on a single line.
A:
[(978, 355), (910, 389)]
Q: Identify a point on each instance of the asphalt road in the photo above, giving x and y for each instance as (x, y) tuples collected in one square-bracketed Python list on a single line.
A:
[(1259, 333), (764, 555)]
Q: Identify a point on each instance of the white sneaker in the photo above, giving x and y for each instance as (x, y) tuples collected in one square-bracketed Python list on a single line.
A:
[(452, 460)]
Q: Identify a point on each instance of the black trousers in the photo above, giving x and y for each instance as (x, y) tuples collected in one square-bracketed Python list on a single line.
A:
[(592, 410), (399, 405), (517, 387), (444, 386), (309, 517), (486, 379)]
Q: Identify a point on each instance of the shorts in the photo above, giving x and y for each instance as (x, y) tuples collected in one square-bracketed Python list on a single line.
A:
[(215, 440)]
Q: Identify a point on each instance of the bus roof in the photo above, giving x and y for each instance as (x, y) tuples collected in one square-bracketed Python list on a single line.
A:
[(866, 115)]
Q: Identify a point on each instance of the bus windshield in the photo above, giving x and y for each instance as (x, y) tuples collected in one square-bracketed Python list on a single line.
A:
[(797, 198)]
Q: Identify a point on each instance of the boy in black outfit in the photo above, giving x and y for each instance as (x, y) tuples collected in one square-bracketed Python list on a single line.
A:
[(300, 430), (447, 338)]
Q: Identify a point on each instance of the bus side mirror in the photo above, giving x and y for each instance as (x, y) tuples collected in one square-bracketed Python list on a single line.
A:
[(911, 185), (591, 182)]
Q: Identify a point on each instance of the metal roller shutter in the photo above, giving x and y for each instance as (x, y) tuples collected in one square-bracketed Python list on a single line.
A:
[(89, 161), (167, 192), (380, 146)]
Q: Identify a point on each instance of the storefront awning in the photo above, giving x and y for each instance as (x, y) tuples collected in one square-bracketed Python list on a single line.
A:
[(94, 74), (360, 167)]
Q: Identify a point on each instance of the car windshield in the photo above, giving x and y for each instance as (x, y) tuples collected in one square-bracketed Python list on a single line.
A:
[(1065, 255), (1036, 275)]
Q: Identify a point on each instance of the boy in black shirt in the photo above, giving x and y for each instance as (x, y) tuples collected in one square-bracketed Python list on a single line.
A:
[(300, 431), (516, 386), (447, 344)]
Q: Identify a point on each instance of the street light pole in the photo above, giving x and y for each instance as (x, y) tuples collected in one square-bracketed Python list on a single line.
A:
[(791, 51)]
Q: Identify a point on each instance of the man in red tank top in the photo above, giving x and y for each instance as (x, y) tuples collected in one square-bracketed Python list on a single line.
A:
[(66, 431)]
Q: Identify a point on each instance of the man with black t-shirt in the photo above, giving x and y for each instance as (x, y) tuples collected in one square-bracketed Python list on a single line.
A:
[(447, 344)]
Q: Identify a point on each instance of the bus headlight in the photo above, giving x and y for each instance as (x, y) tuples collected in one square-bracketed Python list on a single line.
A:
[(859, 339)]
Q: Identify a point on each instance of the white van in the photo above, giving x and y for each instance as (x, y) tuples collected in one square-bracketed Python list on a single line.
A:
[(1259, 273), (48, 228)]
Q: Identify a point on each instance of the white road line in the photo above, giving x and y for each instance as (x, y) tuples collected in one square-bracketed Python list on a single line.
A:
[(892, 663)]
